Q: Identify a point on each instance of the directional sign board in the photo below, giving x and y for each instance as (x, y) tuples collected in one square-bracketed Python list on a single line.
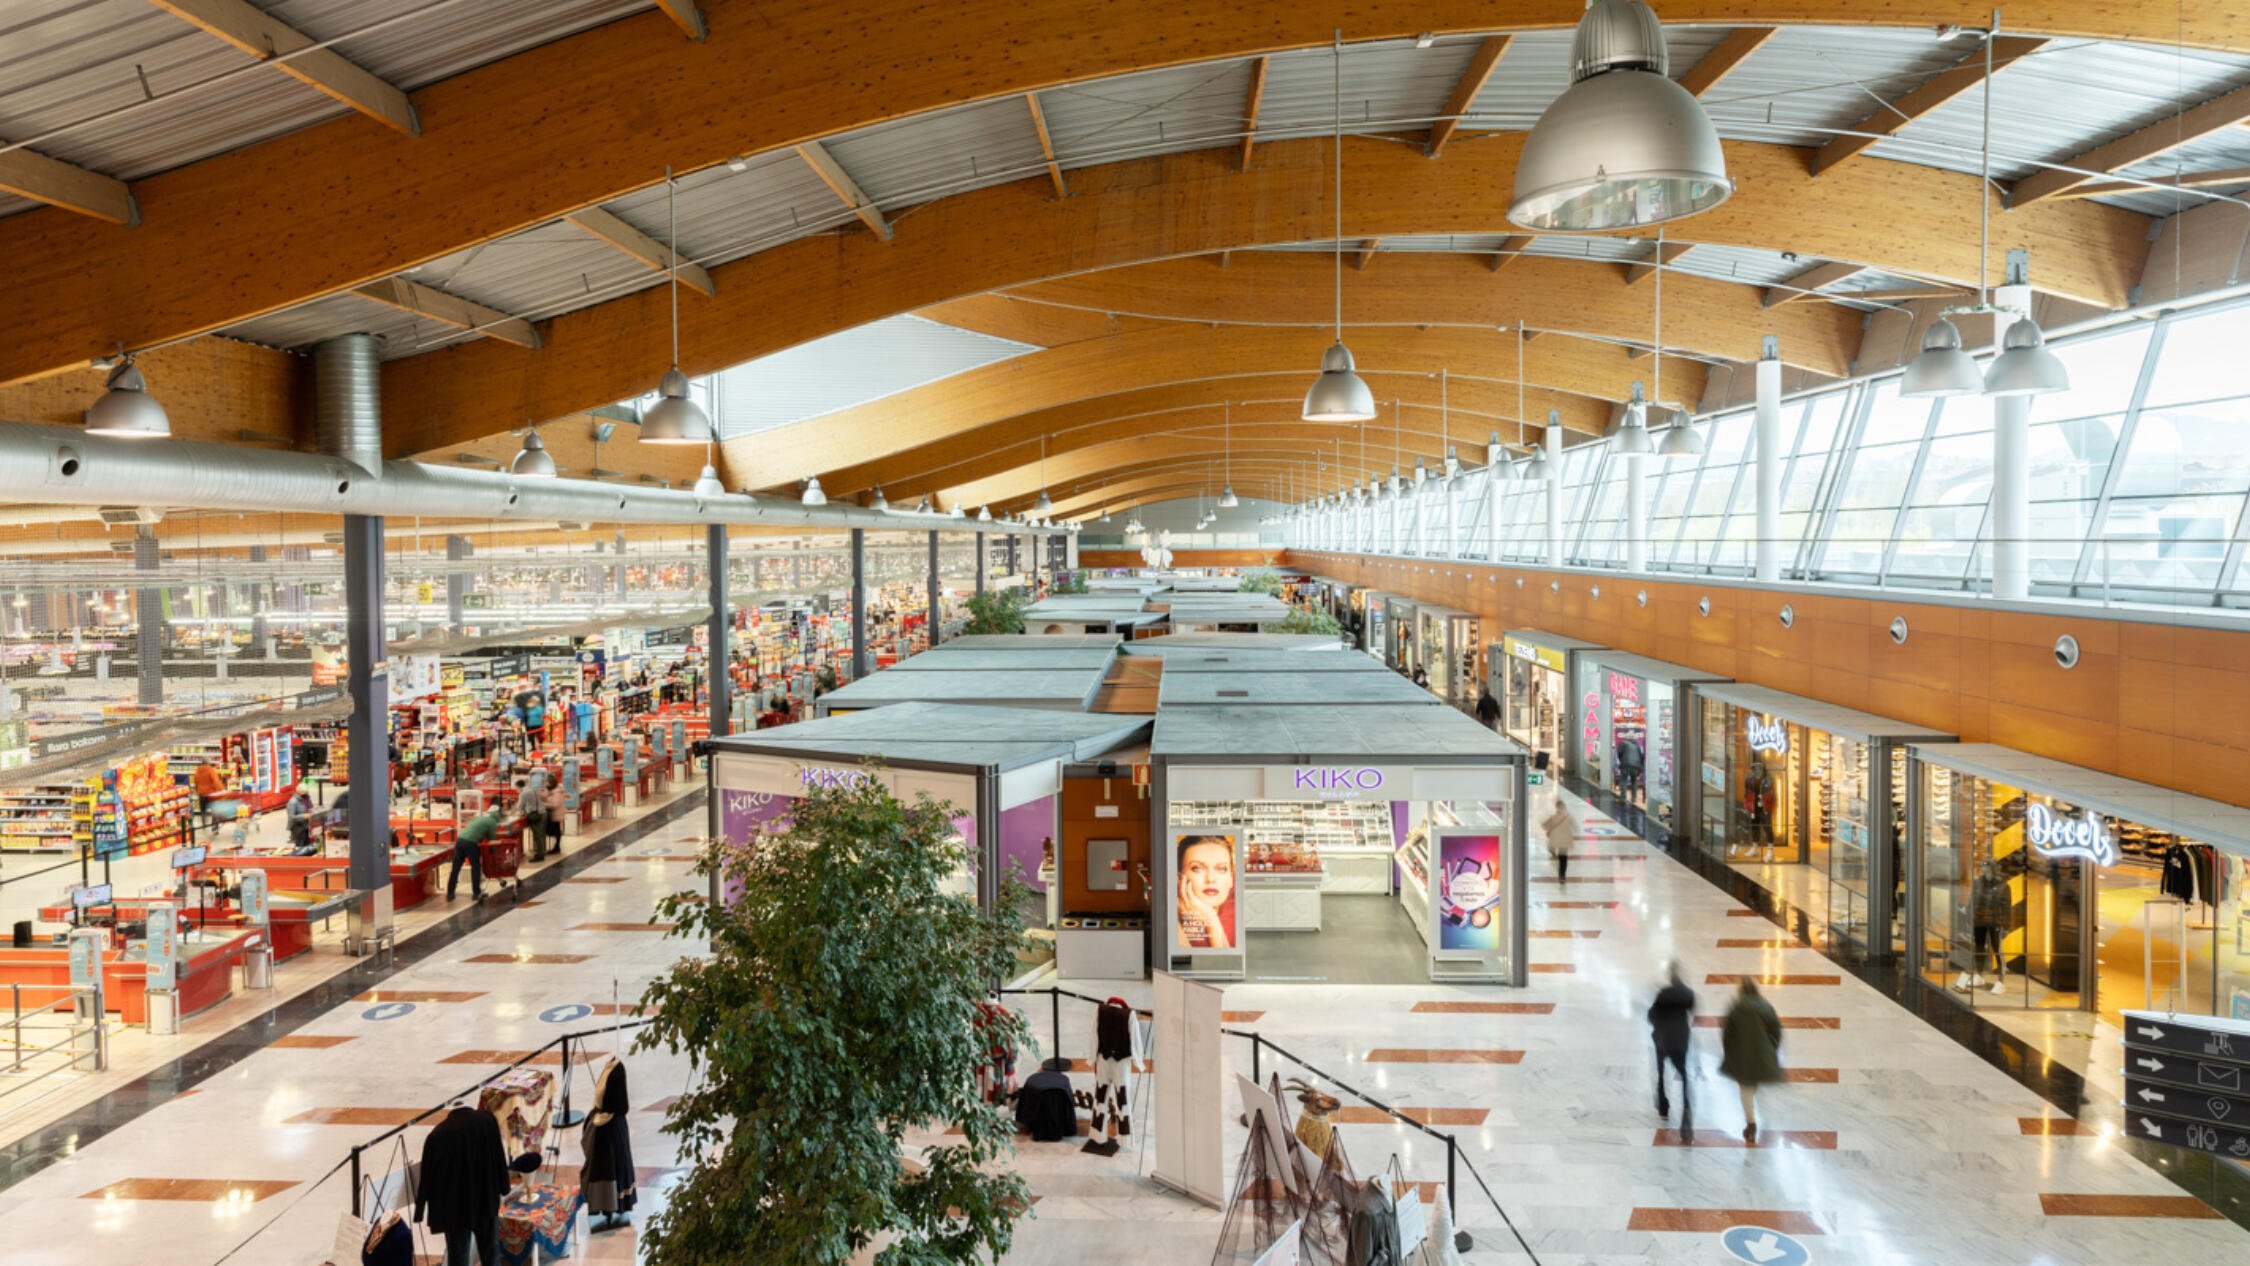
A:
[(1763, 1246), (387, 1011), (2187, 1081), (566, 1013)]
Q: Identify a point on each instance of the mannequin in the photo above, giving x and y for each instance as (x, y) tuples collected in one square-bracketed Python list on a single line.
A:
[(464, 1178), (1990, 906), (607, 1176), (1113, 1059), (1757, 809)]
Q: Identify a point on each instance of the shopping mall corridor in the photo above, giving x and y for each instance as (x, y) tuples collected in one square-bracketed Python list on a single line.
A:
[(1891, 1143)]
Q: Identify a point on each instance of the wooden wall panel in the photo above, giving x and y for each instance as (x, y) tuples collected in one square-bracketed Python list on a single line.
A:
[(2154, 702), (1080, 796)]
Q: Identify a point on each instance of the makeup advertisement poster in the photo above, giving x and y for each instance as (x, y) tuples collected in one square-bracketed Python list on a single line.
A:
[(1206, 865), (1468, 892)]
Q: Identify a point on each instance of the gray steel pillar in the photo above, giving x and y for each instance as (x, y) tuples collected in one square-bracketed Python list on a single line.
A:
[(859, 603), (1767, 459), (980, 562), (457, 549), (937, 609), (368, 735), (261, 601), (148, 605), (722, 623)]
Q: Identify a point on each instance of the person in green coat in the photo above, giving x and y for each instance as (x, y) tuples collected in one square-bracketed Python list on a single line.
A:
[(1751, 1039)]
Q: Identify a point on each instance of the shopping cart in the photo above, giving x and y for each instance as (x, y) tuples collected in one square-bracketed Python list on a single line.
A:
[(502, 858)]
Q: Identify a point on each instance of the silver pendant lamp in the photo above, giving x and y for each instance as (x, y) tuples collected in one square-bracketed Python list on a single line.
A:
[(1632, 439), (126, 411), (1537, 468), (1227, 500), (1624, 145), (1045, 504), (2024, 366), (1680, 439), (878, 501), (674, 419), (813, 496), (533, 461), (1339, 394)]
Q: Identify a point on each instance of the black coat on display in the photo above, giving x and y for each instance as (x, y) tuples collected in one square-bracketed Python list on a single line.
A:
[(607, 1176), (464, 1172), (1045, 1109)]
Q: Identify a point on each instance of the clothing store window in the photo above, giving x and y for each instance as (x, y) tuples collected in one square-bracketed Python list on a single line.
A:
[(1531, 677), (1628, 730)]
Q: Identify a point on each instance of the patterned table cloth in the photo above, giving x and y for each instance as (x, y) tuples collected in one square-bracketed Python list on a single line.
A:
[(523, 1100), (538, 1217)]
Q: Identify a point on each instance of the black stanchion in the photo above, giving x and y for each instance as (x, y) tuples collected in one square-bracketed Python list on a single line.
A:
[(357, 1186), (566, 1119)]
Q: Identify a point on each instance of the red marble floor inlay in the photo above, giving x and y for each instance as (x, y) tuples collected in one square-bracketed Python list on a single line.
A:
[(1805, 1140), (2056, 1126), (1769, 978), (622, 927), (1559, 969), (661, 1106), (417, 995), (544, 1059), (1562, 934), (1713, 1221), (1810, 1076), (1751, 942), (1239, 1017), (1787, 1022), (306, 1042), (1410, 1055), (619, 1008), (1485, 1008), (595, 879), (355, 1116), (1428, 1116), (195, 1190), (526, 956), (1577, 905), (2070, 1205)]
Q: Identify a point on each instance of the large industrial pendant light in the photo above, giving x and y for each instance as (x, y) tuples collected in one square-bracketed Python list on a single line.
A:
[(1445, 427), (1680, 439), (1339, 394), (1624, 145), (1045, 504), (1632, 439), (533, 461), (813, 496), (674, 419), (126, 410), (1227, 499)]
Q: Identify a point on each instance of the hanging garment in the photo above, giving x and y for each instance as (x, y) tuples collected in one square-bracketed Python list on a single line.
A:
[(2179, 874), (607, 1176), (1113, 1060), (1374, 1225), (464, 1172), (390, 1242), (1044, 1108)]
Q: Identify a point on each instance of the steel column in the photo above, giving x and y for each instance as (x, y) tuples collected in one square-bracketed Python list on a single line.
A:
[(937, 610), (719, 658), (457, 550), (148, 608), (980, 562), (859, 603), (369, 738)]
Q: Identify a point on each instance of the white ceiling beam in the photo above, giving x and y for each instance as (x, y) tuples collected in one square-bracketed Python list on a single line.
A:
[(33, 175)]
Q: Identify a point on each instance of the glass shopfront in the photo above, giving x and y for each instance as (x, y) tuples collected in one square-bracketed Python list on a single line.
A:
[(1400, 650), (2048, 886), (1529, 674), (1448, 641), (1809, 801), (1375, 622), (1628, 728)]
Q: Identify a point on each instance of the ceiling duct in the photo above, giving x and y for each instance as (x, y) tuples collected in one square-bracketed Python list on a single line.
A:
[(129, 516)]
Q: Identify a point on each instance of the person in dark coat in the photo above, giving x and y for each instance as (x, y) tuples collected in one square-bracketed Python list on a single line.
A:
[(1671, 1020), (606, 1179), (464, 1178), (1751, 1039), (1488, 709)]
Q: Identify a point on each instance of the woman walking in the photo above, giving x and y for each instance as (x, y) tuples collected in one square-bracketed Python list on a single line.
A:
[(1752, 1042), (1560, 833)]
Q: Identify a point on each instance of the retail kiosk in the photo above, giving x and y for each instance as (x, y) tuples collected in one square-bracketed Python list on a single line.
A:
[(1082, 614), (1001, 767), (1449, 644), (1277, 816), (1060, 689), (1225, 612), (1808, 799), (2097, 892), (1529, 672), (1399, 653), (1629, 728)]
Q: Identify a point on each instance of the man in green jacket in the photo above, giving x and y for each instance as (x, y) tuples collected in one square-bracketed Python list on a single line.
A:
[(468, 846)]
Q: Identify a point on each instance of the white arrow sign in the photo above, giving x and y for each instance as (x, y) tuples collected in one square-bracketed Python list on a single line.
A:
[(1765, 1248), (2150, 1096), (2149, 1031), (2153, 1065), (2154, 1130)]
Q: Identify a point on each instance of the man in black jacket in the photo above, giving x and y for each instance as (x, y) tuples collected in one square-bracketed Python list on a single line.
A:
[(464, 1178), (1670, 1019)]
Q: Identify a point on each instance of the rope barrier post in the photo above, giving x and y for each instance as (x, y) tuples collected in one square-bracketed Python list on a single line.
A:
[(566, 1119), (1461, 1238), (1257, 1049), (1055, 1061), (357, 1185)]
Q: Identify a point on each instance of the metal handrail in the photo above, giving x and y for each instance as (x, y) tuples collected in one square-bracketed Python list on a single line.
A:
[(72, 1032)]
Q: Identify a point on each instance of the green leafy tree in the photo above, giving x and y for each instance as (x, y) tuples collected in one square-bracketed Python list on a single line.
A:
[(1307, 620), (1261, 580), (1071, 582), (994, 611), (839, 1008)]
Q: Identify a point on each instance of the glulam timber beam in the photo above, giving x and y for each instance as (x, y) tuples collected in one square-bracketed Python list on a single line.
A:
[(67, 187), (610, 228), (1703, 316), (1046, 144), (2155, 140), (2186, 180), (840, 183), (1920, 100), (1253, 101), (1725, 58), (1511, 250), (1255, 452), (1364, 252), (450, 309), (1659, 257), (1464, 94), (1804, 287), (266, 37), (685, 15), (1123, 213), (592, 116)]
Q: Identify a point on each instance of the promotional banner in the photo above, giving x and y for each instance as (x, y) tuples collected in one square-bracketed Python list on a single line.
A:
[(1204, 867), (1468, 892), (413, 677)]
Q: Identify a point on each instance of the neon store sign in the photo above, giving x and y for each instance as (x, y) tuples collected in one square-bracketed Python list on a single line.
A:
[(1768, 735), (2061, 838)]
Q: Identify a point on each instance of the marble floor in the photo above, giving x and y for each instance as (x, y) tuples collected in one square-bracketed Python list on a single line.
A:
[(1890, 1144)]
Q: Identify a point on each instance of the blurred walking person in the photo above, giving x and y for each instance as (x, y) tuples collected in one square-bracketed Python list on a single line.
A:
[(1671, 1020), (1752, 1041)]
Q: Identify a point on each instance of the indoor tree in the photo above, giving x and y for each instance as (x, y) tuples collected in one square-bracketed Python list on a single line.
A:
[(994, 611), (1260, 580), (838, 1009), (1307, 620)]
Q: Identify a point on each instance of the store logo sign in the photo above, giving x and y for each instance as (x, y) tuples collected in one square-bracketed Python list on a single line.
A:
[(2052, 835), (1339, 778), (832, 779), (1768, 735)]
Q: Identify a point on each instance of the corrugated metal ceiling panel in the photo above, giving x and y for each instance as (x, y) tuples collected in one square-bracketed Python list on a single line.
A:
[(1388, 86), (328, 317), (1806, 81), (1746, 264), (931, 155), (725, 214), (1161, 111), (540, 272)]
